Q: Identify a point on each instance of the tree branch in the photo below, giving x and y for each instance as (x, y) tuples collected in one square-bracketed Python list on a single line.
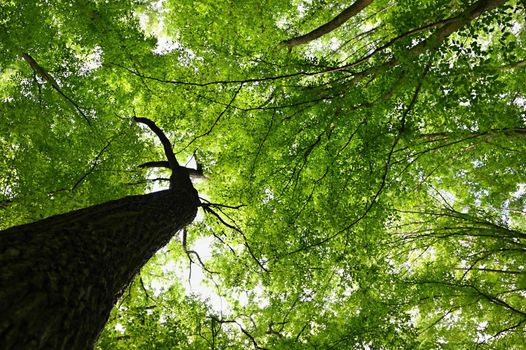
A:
[(158, 164), (38, 69), (435, 40), (242, 329), (93, 166), (188, 252), (383, 182), (328, 27), (235, 228), (194, 173), (216, 121), (170, 156)]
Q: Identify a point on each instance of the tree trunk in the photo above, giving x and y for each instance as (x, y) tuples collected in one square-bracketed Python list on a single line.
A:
[(61, 276)]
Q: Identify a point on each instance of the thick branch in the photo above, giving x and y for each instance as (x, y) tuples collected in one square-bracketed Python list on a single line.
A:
[(436, 39), (467, 16), (159, 164), (170, 156), (328, 27), (180, 177), (518, 64)]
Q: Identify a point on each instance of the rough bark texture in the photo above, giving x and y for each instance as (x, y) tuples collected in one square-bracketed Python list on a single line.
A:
[(328, 27), (61, 276)]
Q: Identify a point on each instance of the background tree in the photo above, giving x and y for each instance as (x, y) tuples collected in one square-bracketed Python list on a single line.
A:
[(381, 166)]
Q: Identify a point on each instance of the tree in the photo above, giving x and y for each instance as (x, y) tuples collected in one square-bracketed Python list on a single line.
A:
[(371, 178), (62, 275)]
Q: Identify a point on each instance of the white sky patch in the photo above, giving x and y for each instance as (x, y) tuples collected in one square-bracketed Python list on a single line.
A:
[(153, 24), (335, 44), (482, 337), (301, 10), (516, 29), (194, 283), (120, 328), (520, 101), (521, 191), (92, 60), (197, 283), (165, 45)]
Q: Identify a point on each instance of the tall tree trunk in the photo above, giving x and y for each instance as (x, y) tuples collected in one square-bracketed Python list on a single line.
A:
[(61, 276)]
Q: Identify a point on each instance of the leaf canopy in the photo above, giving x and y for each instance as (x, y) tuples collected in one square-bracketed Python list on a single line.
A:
[(381, 167)]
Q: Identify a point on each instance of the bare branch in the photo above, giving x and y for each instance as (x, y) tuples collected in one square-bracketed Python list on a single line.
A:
[(188, 252), (148, 180), (209, 210), (194, 173), (250, 336)]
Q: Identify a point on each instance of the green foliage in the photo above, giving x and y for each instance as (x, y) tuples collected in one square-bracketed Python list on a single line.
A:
[(383, 180)]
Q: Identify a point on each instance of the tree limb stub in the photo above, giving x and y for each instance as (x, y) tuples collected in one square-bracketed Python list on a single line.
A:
[(197, 173), (328, 27)]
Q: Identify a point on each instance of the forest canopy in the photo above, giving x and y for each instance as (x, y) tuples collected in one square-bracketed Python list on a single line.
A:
[(366, 161)]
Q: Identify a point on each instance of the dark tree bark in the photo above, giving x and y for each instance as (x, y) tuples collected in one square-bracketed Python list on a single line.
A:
[(61, 276)]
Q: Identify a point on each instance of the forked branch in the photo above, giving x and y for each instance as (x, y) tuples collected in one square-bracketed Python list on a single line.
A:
[(180, 175)]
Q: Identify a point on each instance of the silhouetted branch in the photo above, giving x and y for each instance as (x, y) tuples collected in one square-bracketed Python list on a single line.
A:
[(170, 156), (210, 204), (93, 166), (194, 173), (216, 121), (159, 164), (242, 329), (209, 210), (148, 180), (188, 252)]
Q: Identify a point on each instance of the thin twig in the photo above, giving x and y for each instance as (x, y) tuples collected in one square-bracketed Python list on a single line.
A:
[(215, 122), (93, 166), (209, 210)]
